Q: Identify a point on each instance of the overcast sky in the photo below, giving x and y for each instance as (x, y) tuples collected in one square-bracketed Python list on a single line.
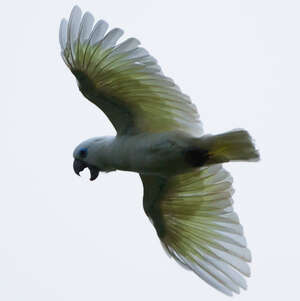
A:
[(65, 238)]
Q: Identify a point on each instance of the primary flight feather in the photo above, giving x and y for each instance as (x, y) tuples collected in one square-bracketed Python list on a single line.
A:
[(187, 192)]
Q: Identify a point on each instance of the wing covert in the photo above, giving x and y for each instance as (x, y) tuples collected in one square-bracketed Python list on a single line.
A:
[(123, 80), (196, 224)]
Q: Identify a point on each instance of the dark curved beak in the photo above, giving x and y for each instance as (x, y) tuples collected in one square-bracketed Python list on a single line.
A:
[(94, 171), (79, 166)]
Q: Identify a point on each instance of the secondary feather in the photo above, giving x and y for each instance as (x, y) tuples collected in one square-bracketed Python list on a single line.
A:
[(124, 80)]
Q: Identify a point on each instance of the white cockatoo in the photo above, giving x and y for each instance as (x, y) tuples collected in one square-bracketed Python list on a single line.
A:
[(187, 193)]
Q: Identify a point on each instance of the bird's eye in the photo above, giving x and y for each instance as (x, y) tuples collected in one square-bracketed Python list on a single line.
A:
[(83, 153)]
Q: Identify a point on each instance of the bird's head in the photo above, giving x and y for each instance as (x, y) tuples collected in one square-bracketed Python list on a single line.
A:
[(88, 154)]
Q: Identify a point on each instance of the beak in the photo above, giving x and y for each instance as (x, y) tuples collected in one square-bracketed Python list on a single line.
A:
[(94, 171), (79, 166)]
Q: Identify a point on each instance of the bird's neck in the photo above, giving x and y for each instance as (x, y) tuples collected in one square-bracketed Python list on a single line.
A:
[(112, 153), (102, 153)]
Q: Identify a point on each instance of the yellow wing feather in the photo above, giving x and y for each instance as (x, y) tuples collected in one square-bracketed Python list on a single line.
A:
[(194, 219), (124, 80)]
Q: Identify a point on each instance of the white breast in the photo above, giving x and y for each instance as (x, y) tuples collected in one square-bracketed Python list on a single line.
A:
[(146, 153)]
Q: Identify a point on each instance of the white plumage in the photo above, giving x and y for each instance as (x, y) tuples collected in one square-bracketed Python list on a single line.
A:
[(187, 195)]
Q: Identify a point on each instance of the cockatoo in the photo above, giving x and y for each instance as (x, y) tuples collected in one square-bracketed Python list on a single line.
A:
[(187, 192)]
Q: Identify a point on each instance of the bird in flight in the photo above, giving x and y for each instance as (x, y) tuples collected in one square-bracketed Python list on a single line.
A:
[(187, 192)]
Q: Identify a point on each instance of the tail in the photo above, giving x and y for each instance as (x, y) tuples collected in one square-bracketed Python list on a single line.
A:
[(236, 145)]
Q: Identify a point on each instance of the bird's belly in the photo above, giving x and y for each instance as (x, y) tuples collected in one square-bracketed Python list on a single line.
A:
[(153, 154)]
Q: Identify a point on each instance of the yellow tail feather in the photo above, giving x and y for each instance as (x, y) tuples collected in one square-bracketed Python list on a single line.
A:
[(236, 145)]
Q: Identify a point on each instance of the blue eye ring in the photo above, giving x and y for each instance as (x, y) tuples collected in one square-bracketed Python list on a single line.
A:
[(83, 152)]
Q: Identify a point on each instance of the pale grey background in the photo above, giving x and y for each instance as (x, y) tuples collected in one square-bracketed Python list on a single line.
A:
[(64, 238)]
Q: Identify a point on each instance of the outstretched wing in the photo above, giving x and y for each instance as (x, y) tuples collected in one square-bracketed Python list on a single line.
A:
[(123, 80), (195, 222)]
